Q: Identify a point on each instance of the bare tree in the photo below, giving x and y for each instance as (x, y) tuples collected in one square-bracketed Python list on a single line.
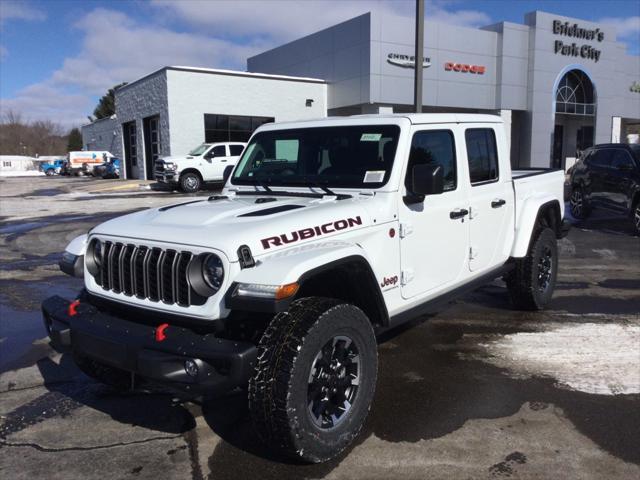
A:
[(41, 137)]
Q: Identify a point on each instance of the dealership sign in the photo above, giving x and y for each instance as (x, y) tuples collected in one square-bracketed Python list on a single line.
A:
[(565, 29), (464, 68), (407, 61)]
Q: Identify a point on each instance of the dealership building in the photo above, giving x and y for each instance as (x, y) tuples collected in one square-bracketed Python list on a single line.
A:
[(560, 84)]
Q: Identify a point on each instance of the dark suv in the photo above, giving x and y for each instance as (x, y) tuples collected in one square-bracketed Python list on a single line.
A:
[(607, 176)]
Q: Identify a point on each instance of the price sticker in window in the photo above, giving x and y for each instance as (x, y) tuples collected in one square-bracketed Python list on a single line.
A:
[(370, 137), (374, 176)]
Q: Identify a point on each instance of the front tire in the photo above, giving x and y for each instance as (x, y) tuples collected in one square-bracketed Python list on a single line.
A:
[(533, 279), (578, 204), (636, 217), (50, 172), (190, 182), (314, 380)]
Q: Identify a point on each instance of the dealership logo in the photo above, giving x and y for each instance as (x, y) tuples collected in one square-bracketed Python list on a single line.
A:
[(565, 29), (407, 61), (464, 68)]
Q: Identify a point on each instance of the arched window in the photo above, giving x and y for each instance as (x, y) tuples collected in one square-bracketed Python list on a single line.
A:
[(575, 94)]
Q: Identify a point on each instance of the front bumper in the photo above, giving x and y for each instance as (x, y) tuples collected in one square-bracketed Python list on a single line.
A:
[(223, 364), (166, 177)]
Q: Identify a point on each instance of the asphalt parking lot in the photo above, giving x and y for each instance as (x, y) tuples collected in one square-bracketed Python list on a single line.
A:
[(476, 391)]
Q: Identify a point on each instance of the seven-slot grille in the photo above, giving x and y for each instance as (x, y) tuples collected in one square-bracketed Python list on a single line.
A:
[(147, 272)]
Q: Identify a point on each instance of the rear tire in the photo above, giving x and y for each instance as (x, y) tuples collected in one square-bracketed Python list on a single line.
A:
[(533, 279), (636, 217), (190, 182), (314, 379), (578, 203), (50, 172)]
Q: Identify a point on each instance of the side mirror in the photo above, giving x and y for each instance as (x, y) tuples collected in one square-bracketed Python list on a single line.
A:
[(227, 173), (209, 155), (425, 180)]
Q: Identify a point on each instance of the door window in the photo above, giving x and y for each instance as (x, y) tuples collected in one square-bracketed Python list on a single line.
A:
[(482, 155), (218, 151), (600, 158), (434, 147)]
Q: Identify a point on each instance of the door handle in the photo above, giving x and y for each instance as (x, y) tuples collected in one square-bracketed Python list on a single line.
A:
[(498, 203), (222, 160), (459, 213)]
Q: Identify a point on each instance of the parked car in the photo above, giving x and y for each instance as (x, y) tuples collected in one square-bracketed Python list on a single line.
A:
[(52, 168), (326, 234), (205, 163), (607, 176), (112, 169)]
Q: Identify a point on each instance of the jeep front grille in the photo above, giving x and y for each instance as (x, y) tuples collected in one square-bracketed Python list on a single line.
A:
[(147, 272)]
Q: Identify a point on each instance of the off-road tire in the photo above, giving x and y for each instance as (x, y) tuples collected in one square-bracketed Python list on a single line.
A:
[(278, 401), (523, 281), (113, 377), (578, 204), (190, 182)]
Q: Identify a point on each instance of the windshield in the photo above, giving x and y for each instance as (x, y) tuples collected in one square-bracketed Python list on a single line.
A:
[(199, 150), (346, 156)]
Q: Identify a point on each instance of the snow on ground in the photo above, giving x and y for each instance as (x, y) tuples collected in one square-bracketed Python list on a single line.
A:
[(592, 357), (18, 173)]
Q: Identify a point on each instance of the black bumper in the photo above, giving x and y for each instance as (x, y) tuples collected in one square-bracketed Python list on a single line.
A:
[(222, 364), (166, 177)]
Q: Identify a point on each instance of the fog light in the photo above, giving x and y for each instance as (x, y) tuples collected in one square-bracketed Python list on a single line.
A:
[(191, 367)]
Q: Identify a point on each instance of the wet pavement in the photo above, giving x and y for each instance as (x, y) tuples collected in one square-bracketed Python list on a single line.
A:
[(476, 391)]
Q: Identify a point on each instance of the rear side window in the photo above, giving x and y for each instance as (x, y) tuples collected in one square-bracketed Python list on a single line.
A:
[(622, 159), (482, 154), (434, 147), (236, 150)]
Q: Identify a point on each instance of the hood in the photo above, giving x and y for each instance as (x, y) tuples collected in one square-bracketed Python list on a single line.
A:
[(265, 223), (178, 158)]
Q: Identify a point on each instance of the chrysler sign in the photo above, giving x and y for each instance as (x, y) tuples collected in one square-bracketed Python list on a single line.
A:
[(407, 61)]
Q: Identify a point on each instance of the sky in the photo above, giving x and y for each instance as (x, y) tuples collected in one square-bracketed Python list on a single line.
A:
[(57, 57)]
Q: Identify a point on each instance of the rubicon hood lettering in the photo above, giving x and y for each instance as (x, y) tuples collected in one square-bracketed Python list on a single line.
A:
[(310, 232)]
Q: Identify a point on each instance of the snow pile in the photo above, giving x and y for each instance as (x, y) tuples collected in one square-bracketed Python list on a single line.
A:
[(593, 358)]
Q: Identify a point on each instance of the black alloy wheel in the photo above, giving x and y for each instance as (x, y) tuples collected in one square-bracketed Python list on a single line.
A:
[(333, 381)]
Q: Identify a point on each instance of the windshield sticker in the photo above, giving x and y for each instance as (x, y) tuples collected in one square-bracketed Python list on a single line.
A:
[(370, 137), (374, 176)]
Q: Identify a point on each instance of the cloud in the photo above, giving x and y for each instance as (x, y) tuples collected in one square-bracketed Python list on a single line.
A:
[(627, 29), (19, 10), (283, 20), (115, 48), (44, 102)]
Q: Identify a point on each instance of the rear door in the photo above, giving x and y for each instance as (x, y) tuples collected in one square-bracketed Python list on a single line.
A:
[(434, 233), (490, 198), (618, 180)]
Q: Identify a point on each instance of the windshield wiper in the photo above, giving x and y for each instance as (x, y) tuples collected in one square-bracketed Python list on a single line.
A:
[(262, 184), (324, 188)]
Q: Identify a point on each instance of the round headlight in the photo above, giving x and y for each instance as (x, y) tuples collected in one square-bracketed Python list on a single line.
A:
[(94, 257), (213, 271)]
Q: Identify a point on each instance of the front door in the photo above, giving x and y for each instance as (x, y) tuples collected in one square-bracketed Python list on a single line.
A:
[(490, 198), (214, 162), (434, 232)]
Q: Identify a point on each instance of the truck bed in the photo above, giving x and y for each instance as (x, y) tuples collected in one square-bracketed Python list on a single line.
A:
[(537, 182)]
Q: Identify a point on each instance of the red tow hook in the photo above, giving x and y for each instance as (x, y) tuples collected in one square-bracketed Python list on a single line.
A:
[(73, 308), (160, 335)]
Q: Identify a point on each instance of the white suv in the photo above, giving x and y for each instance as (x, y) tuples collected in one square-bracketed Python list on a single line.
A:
[(205, 163)]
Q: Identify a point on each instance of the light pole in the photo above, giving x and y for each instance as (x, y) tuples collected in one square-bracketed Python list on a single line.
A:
[(417, 79)]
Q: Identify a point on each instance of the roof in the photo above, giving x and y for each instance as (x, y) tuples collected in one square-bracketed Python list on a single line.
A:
[(217, 71)]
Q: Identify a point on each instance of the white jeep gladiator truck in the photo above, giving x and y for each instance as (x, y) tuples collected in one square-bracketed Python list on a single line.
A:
[(205, 163), (326, 234)]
